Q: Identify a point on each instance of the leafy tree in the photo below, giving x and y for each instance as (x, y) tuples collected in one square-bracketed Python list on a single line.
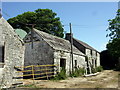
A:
[(114, 27), (113, 45), (44, 20)]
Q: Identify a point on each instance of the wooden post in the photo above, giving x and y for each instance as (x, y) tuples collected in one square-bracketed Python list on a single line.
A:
[(71, 41), (46, 72), (0, 13), (33, 72)]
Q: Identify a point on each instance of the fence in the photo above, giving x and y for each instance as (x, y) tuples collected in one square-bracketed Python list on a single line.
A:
[(37, 71)]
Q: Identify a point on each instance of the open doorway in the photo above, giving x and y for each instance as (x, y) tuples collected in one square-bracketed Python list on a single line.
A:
[(63, 63)]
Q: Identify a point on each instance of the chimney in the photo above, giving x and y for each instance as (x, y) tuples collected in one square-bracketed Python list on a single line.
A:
[(68, 36)]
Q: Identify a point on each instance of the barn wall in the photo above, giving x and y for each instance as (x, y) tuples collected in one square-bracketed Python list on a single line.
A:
[(40, 54), (88, 53), (66, 55), (14, 55), (98, 59), (92, 57)]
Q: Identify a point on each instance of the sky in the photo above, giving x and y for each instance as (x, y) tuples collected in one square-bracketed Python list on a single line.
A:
[(89, 19)]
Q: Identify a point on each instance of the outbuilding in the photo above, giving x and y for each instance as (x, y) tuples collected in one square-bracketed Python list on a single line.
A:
[(92, 55), (42, 49)]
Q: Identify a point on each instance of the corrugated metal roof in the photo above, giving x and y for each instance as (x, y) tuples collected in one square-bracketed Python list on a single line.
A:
[(21, 33)]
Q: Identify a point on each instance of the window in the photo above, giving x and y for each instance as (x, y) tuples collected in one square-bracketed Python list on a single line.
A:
[(91, 52), (75, 63), (1, 56), (96, 63)]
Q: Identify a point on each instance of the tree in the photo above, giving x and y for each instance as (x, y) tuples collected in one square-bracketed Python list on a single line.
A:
[(113, 45), (114, 27), (44, 20)]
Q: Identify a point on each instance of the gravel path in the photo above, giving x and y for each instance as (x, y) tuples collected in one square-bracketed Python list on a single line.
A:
[(105, 79)]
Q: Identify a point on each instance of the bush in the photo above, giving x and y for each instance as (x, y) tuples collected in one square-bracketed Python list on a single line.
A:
[(61, 75), (77, 72), (99, 69), (94, 70)]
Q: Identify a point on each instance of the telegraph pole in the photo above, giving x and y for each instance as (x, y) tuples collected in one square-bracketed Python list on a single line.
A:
[(0, 12), (71, 41)]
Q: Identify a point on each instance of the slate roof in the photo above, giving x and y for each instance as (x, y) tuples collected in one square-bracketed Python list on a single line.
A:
[(58, 43), (85, 44)]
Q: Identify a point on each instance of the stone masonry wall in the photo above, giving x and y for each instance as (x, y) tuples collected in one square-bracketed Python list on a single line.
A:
[(66, 55), (40, 54), (14, 55), (92, 56)]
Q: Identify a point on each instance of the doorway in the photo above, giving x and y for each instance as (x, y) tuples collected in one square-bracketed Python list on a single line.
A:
[(63, 63)]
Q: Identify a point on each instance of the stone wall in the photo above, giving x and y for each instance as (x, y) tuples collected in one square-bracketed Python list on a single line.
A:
[(13, 55), (40, 54), (98, 59), (93, 56), (66, 55), (43, 53)]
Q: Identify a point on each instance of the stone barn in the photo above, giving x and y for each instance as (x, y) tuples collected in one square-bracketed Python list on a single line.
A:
[(93, 56), (43, 49), (11, 55)]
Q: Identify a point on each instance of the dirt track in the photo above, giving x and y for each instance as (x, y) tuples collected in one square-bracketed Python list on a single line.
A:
[(105, 79)]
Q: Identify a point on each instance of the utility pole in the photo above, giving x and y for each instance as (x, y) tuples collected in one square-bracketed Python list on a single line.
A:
[(31, 33), (71, 41), (0, 12)]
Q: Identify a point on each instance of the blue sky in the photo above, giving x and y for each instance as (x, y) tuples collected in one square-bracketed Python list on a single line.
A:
[(89, 19)]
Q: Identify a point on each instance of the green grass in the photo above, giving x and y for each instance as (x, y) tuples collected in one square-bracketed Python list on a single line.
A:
[(29, 86), (61, 75), (77, 72), (99, 69)]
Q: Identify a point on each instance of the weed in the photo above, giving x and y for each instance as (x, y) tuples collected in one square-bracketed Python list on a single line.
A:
[(77, 72), (29, 86), (99, 69), (61, 75)]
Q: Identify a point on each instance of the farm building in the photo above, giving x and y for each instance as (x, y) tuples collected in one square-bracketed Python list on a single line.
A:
[(93, 56), (42, 49), (11, 55)]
